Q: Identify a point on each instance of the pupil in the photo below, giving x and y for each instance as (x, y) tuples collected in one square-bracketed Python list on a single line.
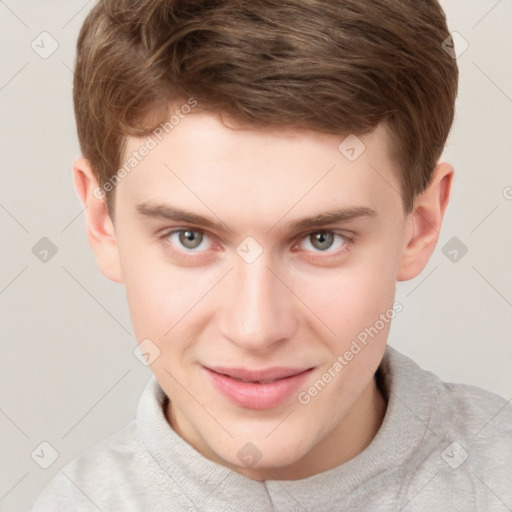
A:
[(190, 239), (322, 240)]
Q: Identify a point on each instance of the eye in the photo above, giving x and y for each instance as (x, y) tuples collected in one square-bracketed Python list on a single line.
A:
[(192, 240), (323, 241)]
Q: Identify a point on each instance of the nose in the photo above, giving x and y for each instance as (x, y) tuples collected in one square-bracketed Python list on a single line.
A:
[(257, 313)]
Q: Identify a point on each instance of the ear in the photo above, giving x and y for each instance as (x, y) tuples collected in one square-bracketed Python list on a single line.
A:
[(100, 228), (425, 223)]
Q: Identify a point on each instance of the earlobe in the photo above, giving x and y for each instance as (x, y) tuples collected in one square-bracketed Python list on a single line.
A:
[(100, 228), (425, 223)]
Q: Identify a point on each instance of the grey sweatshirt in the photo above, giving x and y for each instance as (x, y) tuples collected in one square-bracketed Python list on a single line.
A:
[(441, 447)]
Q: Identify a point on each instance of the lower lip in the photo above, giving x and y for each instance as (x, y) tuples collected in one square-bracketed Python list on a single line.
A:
[(257, 396)]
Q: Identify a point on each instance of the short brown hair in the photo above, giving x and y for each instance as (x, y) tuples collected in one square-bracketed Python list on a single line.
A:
[(334, 66)]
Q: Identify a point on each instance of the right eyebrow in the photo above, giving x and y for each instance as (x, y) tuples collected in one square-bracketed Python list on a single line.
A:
[(164, 211)]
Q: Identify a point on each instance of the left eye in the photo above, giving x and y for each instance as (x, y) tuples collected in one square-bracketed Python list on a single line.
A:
[(189, 239), (323, 241)]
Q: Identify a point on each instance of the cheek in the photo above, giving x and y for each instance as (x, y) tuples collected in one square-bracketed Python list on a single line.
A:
[(348, 299), (158, 294)]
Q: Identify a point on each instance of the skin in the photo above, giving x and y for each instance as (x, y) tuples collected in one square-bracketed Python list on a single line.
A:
[(299, 304)]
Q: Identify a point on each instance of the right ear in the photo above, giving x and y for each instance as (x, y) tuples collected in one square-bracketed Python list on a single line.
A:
[(100, 228)]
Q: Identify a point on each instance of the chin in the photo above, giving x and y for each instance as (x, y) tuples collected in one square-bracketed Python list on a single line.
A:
[(261, 456)]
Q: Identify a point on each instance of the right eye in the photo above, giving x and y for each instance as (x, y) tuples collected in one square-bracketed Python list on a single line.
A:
[(186, 240)]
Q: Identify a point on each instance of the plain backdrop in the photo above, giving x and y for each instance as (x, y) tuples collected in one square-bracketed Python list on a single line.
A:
[(68, 374)]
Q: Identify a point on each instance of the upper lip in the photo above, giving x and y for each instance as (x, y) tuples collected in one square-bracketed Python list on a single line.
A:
[(278, 372)]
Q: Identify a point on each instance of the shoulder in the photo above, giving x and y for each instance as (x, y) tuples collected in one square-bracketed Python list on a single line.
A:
[(105, 477), (475, 416), (478, 425), (477, 412), (470, 412), (75, 484), (465, 458), (471, 462)]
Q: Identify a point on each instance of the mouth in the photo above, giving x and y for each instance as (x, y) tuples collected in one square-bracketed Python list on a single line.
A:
[(257, 389), (268, 381), (260, 376)]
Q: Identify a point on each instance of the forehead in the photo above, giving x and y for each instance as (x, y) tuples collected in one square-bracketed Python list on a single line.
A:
[(200, 161)]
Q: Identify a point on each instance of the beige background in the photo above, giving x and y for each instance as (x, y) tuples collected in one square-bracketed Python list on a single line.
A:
[(68, 375)]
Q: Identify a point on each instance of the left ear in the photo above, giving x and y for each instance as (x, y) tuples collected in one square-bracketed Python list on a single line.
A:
[(425, 222)]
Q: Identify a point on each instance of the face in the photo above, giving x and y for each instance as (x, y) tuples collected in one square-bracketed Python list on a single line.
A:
[(262, 255)]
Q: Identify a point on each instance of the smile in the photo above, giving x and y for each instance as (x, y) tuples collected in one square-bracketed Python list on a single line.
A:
[(249, 389)]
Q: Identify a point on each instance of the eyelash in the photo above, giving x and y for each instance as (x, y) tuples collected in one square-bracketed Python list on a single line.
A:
[(348, 240)]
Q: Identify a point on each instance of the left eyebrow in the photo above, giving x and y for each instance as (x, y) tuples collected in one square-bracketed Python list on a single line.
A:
[(331, 217)]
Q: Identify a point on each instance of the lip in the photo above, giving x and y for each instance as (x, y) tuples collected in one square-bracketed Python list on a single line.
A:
[(276, 372), (254, 395)]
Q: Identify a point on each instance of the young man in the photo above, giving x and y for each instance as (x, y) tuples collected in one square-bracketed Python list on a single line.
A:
[(259, 175)]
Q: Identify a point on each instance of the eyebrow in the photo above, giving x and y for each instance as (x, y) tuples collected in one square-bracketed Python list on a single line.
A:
[(165, 211), (332, 217)]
